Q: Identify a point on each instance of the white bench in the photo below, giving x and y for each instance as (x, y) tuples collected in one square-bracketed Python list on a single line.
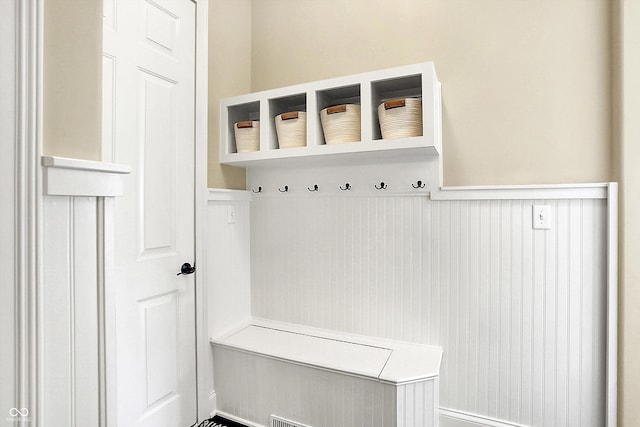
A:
[(318, 377)]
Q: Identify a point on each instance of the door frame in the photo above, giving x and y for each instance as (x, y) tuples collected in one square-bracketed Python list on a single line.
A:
[(204, 369), (28, 196)]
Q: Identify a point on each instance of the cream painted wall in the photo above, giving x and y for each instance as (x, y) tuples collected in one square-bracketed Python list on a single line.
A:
[(72, 111), (229, 75), (526, 84)]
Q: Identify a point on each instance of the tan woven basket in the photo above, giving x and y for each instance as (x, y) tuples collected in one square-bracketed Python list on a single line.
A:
[(400, 118), (247, 136), (341, 123), (291, 129)]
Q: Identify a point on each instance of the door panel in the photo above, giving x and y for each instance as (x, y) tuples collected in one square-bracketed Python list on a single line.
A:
[(160, 350), (151, 46), (158, 166)]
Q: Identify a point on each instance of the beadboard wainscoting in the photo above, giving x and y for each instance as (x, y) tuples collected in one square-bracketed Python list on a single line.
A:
[(521, 314), (227, 265), (226, 271), (78, 301)]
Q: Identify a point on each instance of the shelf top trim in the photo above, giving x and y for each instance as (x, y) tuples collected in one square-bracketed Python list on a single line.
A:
[(333, 83)]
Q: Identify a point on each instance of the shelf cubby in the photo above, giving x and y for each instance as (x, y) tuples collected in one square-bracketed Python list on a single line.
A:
[(335, 96), (238, 113), (397, 87), (285, 104)]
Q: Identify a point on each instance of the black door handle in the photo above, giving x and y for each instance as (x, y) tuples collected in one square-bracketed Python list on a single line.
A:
[(187, 269)]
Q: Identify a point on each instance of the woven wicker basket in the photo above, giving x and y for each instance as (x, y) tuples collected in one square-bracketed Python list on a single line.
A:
[(341, 123), (247, 136), (291, 129), (400, 118)]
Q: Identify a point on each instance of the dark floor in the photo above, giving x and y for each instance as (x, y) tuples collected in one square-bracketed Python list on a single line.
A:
[(218, 421)]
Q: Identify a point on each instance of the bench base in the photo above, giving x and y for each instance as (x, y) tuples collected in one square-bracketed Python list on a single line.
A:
[(258, 374), (254, 387)]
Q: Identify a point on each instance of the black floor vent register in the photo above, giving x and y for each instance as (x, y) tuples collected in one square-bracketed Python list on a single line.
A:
[(218, 421)]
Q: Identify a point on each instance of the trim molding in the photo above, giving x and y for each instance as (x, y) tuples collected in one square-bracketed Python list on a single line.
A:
[(74, 177), (28, 207), (86, 165), (237, 419), (473, 419), (523, 192), (206, 404), (612, 307), (223, 194)]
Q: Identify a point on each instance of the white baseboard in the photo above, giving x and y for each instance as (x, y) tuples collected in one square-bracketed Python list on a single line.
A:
[(452, 418), (448, 418), (238, 419), (213, 403)]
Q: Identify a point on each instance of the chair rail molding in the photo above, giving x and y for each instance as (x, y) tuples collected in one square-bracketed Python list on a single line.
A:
[(74, 177)]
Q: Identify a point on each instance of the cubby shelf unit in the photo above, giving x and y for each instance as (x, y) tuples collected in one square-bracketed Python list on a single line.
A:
[(367, 89)]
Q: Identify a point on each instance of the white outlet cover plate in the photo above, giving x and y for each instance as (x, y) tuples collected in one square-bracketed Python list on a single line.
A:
[(541, 217), (231, 215)]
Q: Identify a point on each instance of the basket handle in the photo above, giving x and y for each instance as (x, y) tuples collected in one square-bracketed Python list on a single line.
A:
[(396, 103), (244, 125), (337, 109), (289, 116)]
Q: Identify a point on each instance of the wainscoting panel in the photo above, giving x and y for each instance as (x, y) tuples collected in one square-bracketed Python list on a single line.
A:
[(227, 265), (70, 312), (77, 302), (415, 404), (225, 271), (520, 313)]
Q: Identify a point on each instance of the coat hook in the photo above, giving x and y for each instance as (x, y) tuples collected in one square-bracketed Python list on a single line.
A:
[(315, 188), (419, 184), (259, 190), (286, 188), (347, 186), (383, 186)]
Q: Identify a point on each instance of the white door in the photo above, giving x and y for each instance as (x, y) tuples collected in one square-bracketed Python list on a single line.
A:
[(149, 68)]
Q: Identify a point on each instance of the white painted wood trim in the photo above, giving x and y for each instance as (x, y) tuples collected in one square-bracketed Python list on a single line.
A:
[(103, 251), (86, 165), (108, 340), (74, 177), (212, 403), (237, 419), (28, 207), (204, 394), (222, 194), (353, 195), (523, 192), (390, 362), (465, 418), (612, 306)]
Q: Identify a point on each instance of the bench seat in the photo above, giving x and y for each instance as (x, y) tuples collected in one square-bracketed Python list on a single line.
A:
[(264, 353)]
